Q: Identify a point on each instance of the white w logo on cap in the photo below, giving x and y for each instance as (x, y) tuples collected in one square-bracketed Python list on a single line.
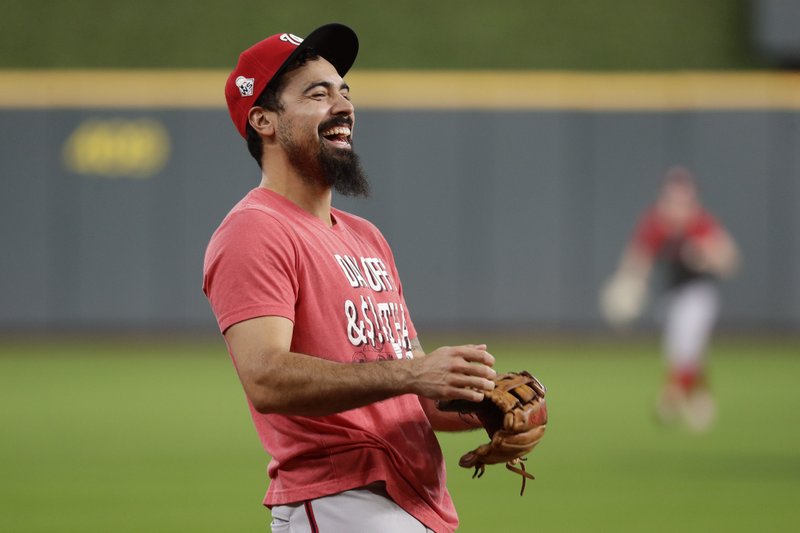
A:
[(291, 38)]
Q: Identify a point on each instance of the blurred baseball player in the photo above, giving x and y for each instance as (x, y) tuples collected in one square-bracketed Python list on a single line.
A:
[(311, 307), (695, 250)]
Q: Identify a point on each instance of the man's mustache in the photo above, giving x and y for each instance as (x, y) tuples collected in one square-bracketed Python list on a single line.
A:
[(339, 121)]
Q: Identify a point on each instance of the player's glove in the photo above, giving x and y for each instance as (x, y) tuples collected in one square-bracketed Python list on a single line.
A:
[(514, 415), (623, 298)]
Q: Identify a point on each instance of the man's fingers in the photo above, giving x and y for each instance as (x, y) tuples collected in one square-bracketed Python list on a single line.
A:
[(481, 371), (480, 384), (474, 355), (465, 394), (476, 346), (472, 383), (476, 369)]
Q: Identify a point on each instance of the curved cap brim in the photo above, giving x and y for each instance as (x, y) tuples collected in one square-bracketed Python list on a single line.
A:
[(335, 42)]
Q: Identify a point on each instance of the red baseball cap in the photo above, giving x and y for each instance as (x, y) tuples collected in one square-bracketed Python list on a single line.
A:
[(265, 60)]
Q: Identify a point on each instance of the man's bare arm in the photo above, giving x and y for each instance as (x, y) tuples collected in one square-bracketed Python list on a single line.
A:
[(277, 380), (715, 253)]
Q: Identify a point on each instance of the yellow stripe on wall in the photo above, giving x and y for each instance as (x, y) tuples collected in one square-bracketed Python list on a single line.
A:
[(590, 91), (115, 89), (482, 90)]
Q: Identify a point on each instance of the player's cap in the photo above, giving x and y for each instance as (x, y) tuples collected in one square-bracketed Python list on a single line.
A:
[(264, 61)]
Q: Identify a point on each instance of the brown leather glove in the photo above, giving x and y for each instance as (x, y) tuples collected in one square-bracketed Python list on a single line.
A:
[(514, 415)]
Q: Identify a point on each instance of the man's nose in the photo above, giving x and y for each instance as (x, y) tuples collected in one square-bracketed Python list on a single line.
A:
[(342, 106)]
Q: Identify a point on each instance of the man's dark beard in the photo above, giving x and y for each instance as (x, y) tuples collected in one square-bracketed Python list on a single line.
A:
[(334, 167), (343, 172)]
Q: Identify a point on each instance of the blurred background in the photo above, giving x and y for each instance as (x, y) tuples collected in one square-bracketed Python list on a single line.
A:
[(512, 145)]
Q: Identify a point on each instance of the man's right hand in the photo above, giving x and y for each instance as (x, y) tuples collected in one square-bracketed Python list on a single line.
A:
[(453, 372)]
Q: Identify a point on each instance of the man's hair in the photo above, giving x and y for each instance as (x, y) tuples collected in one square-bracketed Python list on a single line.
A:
[(270, 99)]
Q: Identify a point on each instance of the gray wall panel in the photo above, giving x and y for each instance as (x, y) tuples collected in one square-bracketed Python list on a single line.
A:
[(24, 295), (788, 143), (496, 218), (417, 204), (794, 217), (113, 240), (629, 157), (213, 171), (733, 166), (525, 206)]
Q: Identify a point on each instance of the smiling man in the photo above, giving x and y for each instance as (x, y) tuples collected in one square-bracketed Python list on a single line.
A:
[(311, 307)]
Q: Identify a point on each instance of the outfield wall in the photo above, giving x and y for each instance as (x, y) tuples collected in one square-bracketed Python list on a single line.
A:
[(507, 198)]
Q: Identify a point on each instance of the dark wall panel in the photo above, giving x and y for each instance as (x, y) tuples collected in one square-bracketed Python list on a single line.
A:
[(24, 228), (508, 218)]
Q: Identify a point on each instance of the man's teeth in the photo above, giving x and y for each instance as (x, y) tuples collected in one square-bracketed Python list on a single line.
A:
[(339, 130)]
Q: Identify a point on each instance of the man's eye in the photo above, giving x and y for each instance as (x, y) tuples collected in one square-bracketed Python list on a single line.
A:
[(346, 96), (318, 95)]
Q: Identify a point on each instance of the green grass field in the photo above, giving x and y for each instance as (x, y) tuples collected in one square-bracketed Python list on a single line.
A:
[(140, 436)]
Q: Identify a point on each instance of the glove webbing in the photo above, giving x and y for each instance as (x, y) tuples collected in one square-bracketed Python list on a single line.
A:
[(511, 465)]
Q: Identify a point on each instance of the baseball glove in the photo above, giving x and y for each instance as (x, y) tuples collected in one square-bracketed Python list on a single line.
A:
[(514, 415), (623, 299)]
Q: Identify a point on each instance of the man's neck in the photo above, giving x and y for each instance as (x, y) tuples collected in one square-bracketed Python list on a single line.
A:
[(312, 198)]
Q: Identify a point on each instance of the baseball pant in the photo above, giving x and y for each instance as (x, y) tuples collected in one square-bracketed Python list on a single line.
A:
[(690, 316), (363, 510)]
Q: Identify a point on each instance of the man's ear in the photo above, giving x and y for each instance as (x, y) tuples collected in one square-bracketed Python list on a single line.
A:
[(262, 120)]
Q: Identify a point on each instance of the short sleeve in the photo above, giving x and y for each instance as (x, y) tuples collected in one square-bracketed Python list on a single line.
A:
[(704, 225), (648, 235), (250, 269)]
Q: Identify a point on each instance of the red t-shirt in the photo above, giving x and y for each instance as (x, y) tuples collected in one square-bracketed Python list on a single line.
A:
[(654, 237), (340, 287), (652, 233)]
